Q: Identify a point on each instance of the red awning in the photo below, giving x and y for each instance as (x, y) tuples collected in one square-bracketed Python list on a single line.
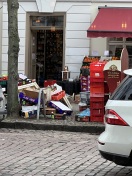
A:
[(112, 22)]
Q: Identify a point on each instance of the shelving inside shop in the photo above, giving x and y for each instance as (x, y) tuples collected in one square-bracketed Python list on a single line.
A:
[(54, 54), (40, 55), (49, 54)]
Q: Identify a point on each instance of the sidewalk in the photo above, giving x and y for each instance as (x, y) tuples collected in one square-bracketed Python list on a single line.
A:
[(52, 124)]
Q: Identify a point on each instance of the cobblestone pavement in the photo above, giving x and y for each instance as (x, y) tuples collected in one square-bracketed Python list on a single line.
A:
[(53, 153)]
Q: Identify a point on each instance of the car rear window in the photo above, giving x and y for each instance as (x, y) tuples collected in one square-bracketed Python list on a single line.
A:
[(124, 90)]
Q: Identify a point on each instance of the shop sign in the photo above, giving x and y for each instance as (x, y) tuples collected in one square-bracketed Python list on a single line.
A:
[(112, 74)]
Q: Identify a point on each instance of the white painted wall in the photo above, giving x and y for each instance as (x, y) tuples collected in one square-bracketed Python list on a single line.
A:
[(46, 5), (76, 41), (79, 14), (23, 8), (1, 11)]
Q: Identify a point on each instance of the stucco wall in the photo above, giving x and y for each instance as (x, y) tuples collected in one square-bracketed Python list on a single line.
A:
[(79, 14), (76, 41), (23, 8), (1, 11)]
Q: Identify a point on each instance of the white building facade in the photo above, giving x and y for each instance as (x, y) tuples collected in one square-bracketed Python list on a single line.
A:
[(74, 18)]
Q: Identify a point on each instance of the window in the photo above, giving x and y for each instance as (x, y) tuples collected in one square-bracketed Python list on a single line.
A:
[(116, 45), (116, 39), (47, 21)]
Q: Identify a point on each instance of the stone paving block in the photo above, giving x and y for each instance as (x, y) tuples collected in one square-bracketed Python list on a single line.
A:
[(35, 153)]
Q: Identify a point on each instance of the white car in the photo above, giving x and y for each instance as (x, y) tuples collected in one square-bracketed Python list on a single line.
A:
[(115, 143)]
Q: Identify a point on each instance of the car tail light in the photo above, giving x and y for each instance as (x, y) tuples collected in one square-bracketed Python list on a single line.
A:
[(101, 143), (112, 118)]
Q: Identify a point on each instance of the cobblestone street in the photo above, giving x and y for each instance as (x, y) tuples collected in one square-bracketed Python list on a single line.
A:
[(53, 153)]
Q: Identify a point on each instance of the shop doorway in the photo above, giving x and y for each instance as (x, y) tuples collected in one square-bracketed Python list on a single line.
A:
[(47, 55)]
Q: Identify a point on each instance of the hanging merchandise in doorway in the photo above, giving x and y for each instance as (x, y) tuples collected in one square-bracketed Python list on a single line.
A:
[(49, 54)]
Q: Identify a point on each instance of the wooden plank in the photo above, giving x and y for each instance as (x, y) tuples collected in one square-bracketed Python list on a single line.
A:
[(34, 84), (67, 102), (41, 97)]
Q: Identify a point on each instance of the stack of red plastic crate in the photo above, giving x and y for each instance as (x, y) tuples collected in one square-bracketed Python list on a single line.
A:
[(97, 91)]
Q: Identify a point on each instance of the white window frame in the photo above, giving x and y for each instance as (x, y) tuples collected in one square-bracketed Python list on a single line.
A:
[(112, 45)]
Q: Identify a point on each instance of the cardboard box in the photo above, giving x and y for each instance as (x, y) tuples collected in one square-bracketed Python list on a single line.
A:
[(77, 98), (29, 111), (50, 110), (24, 98), (60, 107), (60, 116), (82, 108), (31, 93)]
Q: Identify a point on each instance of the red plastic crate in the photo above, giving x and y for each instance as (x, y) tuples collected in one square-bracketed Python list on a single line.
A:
[(97, 119), (96, 69), (97, 95), (97, 99), (97, 84), (96, 105), (97, 112), (63, 93), (96, 74), (96, 80), (58, 96), (96, 89), (49, 82), (97, 66), (3, 78)]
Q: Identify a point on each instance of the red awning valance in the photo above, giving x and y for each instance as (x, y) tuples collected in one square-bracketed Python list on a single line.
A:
[(112, 22)]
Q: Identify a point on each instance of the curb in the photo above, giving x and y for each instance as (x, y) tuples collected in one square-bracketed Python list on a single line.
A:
[(93, 129)]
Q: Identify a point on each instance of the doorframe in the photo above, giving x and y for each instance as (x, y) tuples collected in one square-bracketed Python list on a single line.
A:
[(28, 46), (28, 71)]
